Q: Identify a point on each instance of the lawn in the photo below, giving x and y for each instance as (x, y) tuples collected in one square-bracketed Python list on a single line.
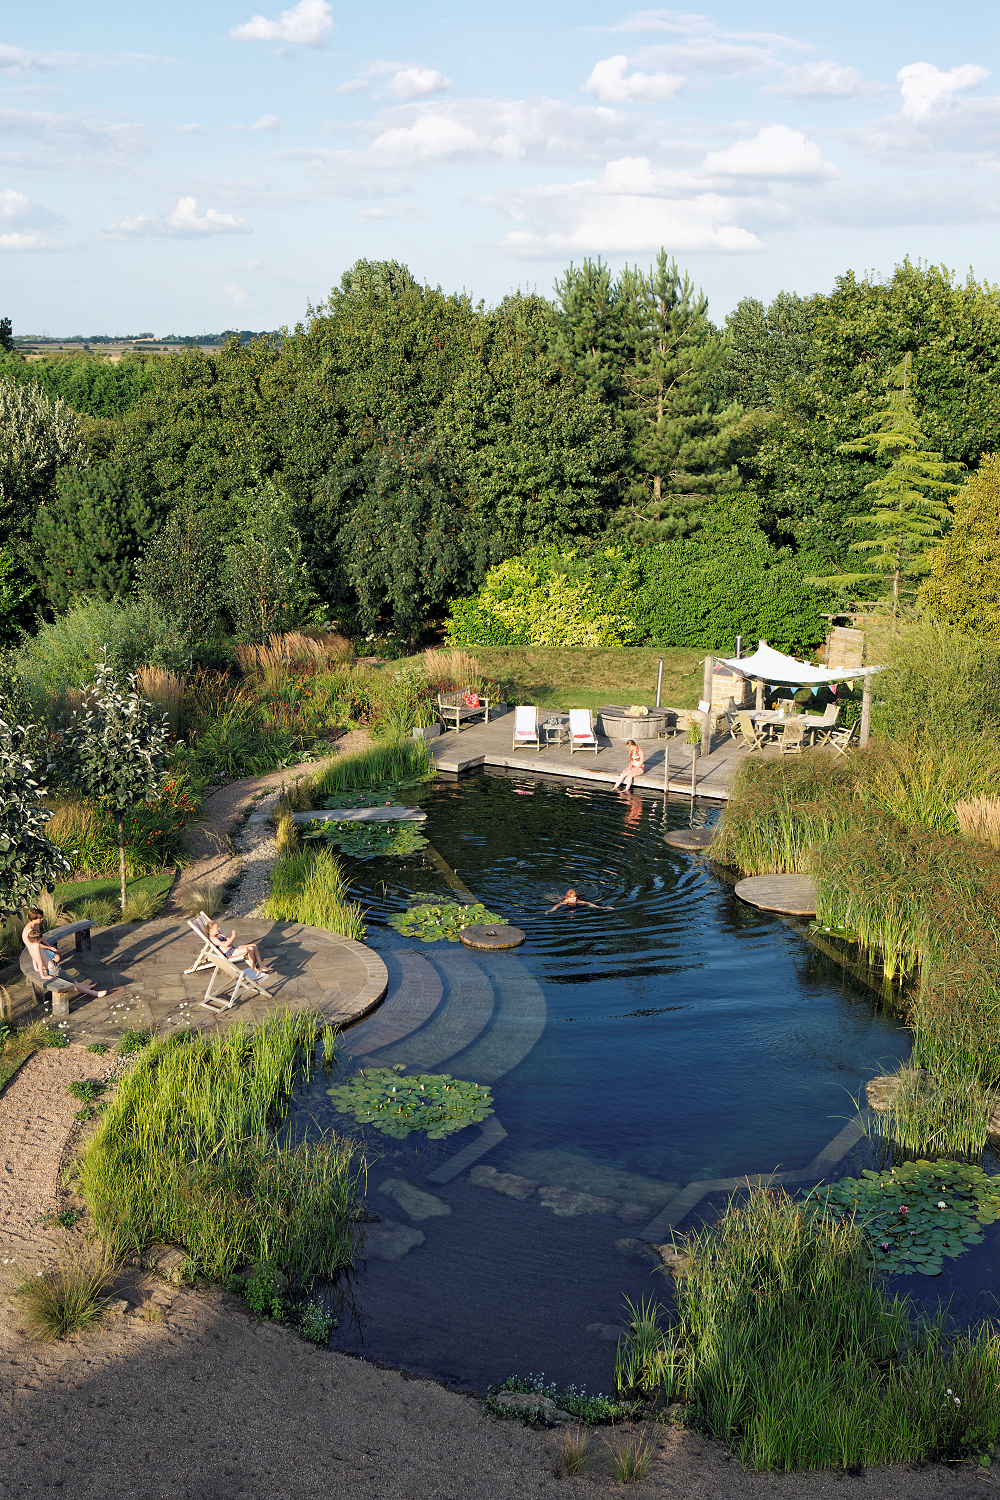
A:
[(108, 888), (563, 677)]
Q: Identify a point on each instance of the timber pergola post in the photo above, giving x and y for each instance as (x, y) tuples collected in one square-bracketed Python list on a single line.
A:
[(706, 698), (866, 712)]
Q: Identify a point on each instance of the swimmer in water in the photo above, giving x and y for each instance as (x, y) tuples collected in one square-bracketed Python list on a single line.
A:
[(572, 899)]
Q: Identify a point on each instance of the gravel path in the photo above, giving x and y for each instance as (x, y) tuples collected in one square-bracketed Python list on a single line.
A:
[(36, 1117)]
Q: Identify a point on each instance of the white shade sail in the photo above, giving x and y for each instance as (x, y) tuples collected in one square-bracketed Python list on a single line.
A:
[(775, 667)]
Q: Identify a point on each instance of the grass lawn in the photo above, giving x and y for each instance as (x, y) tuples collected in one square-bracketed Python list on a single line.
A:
[(107, 888), (564, 677)]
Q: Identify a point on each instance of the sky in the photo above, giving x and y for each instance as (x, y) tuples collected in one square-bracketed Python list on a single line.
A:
[(198, 166)]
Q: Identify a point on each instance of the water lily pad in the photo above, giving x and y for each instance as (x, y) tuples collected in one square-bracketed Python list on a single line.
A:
[(442, 922), (397, 1106)]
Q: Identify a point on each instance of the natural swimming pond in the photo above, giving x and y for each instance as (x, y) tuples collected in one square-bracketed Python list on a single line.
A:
[(680, 1036)]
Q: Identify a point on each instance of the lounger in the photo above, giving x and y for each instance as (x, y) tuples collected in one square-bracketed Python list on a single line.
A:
[(526, 727), (581, 731), (211, 958)]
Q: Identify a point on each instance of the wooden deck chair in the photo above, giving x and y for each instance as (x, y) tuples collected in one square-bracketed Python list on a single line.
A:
[(526, 727), (752, 737), (581, 731), (211, 958), (841, 739)]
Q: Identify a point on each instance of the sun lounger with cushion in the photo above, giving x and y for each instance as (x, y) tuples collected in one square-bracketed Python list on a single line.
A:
[(581, 731), (526, 727)]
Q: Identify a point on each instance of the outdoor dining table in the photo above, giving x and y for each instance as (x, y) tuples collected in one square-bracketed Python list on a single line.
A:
[(773, 720)]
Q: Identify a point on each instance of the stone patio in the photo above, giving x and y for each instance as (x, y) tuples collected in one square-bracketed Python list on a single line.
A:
[(142, 967)]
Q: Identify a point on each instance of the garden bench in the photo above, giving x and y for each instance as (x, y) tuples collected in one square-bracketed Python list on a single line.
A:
[(50, 988), (454, 704)]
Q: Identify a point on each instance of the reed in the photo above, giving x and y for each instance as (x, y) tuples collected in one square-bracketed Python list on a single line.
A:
[(396, 762), (185, 1153), (454, 667), (787, 1345), (309, 886), (979, 818), (166, 690), (944, 1113)]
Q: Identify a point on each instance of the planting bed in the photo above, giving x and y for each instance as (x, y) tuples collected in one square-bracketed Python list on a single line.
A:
[(681, 1035)]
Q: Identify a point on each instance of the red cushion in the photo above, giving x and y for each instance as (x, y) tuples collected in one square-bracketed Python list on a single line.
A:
[(472, 700)]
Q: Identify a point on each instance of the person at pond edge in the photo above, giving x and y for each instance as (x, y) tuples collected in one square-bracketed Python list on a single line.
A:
[(636, 765), (572, 899), (45, 957), (227, 947)]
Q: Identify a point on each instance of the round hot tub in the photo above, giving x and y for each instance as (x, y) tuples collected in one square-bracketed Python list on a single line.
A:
[(618, 724)]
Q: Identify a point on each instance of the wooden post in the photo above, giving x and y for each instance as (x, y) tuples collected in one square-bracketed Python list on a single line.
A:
[(760, 695), (866, 712), (666, 772), (659, 681), (694, 767), (706, 697)]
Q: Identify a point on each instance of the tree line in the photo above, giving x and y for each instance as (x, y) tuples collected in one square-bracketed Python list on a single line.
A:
[(378, 459)]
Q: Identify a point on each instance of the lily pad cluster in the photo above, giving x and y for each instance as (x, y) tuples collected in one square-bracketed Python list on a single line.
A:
[(396, 1106), (375, 840), (384, 795), (442, 922), (917, 1213)]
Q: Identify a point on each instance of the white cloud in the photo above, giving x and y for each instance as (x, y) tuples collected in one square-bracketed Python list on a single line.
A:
[(417, 83), (35, 138), (632, 208), (253, 265), (267, 122), (352, 86), (775, 151), (824, 80), (926, 90), (183, 222), (305, 25), (193, 129), (25, 225), (611, 81), (370, 215), (238, 295)]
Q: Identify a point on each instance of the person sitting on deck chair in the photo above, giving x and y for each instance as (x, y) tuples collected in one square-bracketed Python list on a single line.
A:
[(227, 947), (45, 957), (636, 766), (572, 899)]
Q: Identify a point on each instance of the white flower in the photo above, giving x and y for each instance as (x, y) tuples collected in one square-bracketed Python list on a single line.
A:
[(942, 1204), (948, 1391), (957, 1402)]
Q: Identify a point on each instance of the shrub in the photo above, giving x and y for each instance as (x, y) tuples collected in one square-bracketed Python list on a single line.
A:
[(939, 685), (65, 652), (549, 598), (87, 539)]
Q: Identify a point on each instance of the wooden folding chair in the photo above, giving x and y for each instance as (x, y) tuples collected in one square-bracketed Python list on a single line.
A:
[(752, 737), (581, 731), (793, 739), (211, 958), (841, 739)]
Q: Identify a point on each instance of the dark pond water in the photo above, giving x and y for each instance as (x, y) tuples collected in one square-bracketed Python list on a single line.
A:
[(680, 1036)]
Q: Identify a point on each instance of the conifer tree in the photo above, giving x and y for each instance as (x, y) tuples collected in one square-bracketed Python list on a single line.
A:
[(908, 508), (587, 337)]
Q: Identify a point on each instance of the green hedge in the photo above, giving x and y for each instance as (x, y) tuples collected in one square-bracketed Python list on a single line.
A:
[(730, 580)]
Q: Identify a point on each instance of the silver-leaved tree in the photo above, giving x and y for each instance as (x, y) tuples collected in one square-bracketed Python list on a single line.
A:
[(115, 749), (28, 861)]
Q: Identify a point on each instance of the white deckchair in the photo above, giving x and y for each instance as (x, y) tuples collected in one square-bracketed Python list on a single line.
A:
[(581, 731), (526, 727), (211, 958)]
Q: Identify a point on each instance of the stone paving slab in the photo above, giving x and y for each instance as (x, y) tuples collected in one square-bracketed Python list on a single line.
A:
[(142, 967)]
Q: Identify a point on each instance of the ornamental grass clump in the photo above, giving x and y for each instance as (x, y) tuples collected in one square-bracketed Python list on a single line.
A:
[(67, 1298), (787, 1345), (309, 886), (186, 1153)]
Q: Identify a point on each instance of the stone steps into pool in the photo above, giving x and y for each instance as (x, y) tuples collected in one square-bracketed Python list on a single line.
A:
[(455, 1024), (415, 990), (518, 1021)]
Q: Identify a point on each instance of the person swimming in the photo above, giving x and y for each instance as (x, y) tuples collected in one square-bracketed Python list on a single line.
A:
[(571, 899)]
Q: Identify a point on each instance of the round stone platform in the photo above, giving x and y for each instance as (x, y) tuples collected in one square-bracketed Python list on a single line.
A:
[(491, 937), (142, 966), (689, 838), (792, 895)]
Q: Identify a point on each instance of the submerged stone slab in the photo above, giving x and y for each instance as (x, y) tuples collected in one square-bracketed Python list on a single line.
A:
[(573, 1169), (633, 1249), (388, 1241), (565, 1203), (413, 1201), (506, 1183)]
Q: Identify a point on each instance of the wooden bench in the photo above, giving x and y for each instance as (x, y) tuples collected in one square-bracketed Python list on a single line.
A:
[(56, 990), (454, 704)]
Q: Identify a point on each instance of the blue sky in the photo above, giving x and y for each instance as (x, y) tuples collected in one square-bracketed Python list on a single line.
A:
[(197, 166)]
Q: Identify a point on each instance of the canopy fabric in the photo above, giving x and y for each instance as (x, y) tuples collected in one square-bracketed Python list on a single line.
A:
[(775, 667)]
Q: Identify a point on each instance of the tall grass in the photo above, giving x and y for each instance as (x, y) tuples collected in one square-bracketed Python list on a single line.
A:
[(309, 886), (979, 818), (166, 690), (787, 1345), (939, 685), (185, 1153), (946, 1113), (394, 761), (67, 1298)]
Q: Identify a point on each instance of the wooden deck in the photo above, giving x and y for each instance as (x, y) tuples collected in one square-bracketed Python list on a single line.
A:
[(490, 745)]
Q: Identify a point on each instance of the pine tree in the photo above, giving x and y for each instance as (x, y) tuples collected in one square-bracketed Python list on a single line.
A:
[(587, 338), (909, 506)]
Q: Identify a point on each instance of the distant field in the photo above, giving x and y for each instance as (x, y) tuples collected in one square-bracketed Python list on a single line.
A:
[(558, 677)]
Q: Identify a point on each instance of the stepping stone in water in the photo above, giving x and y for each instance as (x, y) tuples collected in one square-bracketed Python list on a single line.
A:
[(606, 1332), (689, 838), (491, 938), (564, 1202), (388, 1241), (633, 1249), (792, 895), (413, 1201), (502, 1182)]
